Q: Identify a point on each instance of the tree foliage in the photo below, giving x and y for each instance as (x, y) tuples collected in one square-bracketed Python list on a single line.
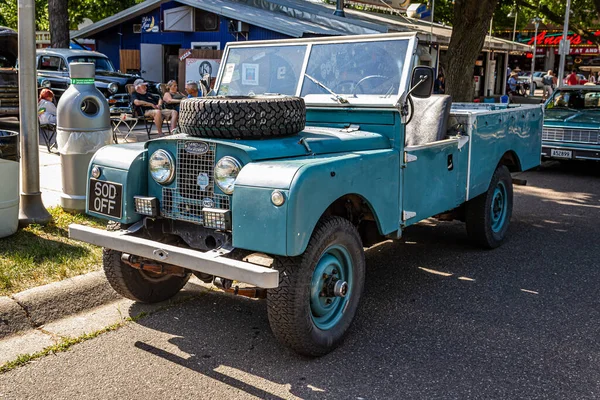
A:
[(78, 10), (583, 19)]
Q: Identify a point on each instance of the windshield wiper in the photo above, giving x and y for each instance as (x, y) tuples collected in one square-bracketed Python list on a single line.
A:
[(336, 96)]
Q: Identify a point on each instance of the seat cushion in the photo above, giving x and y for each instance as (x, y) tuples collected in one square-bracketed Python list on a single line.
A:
[(430, 120)]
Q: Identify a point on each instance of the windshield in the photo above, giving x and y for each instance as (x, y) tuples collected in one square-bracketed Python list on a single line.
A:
[(371, 68), (102, 64), (369, 71), (259, 70), (574, 100)]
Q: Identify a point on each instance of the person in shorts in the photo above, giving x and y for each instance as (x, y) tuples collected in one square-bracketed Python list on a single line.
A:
[(149, 105), (548, 83)]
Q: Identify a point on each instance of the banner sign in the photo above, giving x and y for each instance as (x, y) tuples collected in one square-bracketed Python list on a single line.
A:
[(545, 39)]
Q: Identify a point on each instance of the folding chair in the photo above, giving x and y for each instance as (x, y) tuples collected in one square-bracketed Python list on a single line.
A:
[(148, 121), (48, 132)]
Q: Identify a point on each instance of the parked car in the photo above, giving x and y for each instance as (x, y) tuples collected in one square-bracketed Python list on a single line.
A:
[(572, 124), (309, 187), (537, 78), (53, 72), (9, 80)]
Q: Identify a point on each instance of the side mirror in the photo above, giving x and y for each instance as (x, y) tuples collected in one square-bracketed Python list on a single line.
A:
[(421, 82)]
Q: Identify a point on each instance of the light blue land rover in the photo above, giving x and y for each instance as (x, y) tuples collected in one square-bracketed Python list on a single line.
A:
[(312, 150), (572, 124)]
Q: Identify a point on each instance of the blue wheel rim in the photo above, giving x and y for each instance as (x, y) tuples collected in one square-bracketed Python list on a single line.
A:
[(499, 207), (326, 311)]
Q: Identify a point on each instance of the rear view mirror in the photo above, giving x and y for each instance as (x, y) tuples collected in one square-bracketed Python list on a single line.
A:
[(421, 82)]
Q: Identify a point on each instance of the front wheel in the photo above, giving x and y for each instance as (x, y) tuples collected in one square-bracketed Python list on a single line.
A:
[(142, 286), (488, 215), (319, 291)]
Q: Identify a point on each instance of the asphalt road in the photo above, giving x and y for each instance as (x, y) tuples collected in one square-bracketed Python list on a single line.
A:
[(440, 319)]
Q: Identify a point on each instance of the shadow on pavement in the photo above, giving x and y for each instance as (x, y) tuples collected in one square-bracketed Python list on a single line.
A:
[(439, 318)]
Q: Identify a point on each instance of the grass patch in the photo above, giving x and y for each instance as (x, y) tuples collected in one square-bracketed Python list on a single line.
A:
[(38, 254)]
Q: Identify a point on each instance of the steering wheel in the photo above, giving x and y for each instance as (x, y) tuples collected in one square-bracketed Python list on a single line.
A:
[(408, 109), (366, 78)]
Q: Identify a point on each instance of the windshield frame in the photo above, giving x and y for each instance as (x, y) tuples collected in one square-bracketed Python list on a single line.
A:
[(326, 99)]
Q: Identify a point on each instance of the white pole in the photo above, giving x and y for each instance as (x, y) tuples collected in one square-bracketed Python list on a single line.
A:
[(536, 22), (31, 208), (563, 55), (515, 26)]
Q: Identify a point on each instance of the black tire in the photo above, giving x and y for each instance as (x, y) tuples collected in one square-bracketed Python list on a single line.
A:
[(483, 228), (137, 285), (289, 307), (242, 117)]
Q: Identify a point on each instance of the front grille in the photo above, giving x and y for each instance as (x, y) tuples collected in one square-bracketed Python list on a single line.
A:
[(571, 135), (185, 201)]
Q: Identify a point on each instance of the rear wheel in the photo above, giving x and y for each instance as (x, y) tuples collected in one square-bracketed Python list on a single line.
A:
[(488, 215), (319, 291)]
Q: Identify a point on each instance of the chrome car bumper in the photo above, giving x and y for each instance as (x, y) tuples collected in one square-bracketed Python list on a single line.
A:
[(210, 262), (577, 153)]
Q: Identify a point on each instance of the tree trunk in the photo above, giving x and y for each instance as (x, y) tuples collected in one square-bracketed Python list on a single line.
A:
[(58, 17), (470, 26)]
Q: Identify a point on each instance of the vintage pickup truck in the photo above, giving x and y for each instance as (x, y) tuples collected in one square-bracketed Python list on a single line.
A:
[(572, 124), (312, 150)]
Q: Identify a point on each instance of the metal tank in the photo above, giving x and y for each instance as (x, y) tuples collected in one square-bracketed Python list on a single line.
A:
[(82, 128)]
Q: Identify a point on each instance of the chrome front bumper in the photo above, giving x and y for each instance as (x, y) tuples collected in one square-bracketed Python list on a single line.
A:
[(210, 262)]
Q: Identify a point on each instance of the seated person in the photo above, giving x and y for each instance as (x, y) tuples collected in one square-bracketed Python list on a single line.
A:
[(561, 100), (191, 88), (149, 105), (173, 97), (46, 108)]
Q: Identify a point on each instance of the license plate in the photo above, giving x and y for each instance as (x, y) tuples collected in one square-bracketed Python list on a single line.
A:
[(561, 153), (105, 198)]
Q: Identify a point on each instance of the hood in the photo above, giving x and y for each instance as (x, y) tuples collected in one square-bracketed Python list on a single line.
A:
[(566, 118), (9, 45), (121, 79), (319, 140)]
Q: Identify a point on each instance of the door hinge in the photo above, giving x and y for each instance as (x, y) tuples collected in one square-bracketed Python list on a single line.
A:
[(406, 215), (409, 157)]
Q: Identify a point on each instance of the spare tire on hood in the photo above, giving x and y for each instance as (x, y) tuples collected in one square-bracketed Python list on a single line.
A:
[(242, 117)]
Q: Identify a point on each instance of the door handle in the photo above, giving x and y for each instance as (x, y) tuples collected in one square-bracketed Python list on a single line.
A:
[(450, 162)]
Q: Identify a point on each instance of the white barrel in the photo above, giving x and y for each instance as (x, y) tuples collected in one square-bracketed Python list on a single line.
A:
[(9, 181)]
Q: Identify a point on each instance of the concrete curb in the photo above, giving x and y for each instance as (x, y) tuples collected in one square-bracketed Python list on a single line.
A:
[(41, 305)]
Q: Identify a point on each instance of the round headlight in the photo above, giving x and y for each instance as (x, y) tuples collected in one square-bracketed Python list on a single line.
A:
[(226, 172), (45, 83), (162, 167), (113, 87)]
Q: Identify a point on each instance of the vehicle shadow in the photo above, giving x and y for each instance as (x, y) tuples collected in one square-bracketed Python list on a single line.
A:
[(439, 319)]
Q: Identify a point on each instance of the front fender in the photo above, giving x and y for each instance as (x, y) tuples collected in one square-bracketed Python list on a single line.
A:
[(124, 164), (310, 186)]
